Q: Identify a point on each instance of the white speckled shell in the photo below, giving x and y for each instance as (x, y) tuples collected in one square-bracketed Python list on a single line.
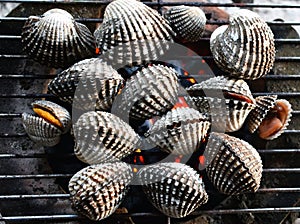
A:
[(103, 137), (98, 85), (97, 190), (40, 130), (138, 32), (187, 21), (55, 39), (263, 106), (231, 113), (152, 91), (245, 48), (175, 189), (180, 131), (286, 123), (236, 167)]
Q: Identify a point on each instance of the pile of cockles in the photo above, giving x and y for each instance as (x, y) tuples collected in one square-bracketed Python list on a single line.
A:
[(109, 102)]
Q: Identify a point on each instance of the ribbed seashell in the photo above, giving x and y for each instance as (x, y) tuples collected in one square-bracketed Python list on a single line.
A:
[(98, 190), (132, 32), (49, 123), (175, 189), (103, 137), (227, 100), (187, 21), (92, 83), (245, 48), (276, 120), (180, 131), (152, 91), (263, 105), (236, 167), (56, 39)]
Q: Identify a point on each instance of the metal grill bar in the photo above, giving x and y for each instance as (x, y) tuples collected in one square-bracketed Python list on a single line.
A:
[(70, 217), (163, 3), (47, 176)]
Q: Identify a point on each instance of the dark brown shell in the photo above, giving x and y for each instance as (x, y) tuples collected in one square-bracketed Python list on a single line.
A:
[(90, 84), (56, 39), (180, 131), (175, 189), (97, 191), (235, 166)]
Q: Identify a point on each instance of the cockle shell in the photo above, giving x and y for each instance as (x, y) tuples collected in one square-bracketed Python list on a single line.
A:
[(180, 131), (270, 117), (132, 32), (187, 21), (55, 39), (245, 48), (263, 105), (92, 83), (103, 137), (152, 91), (175, 189), (98, 190), (236, 166), (227, 100), (48, 125)]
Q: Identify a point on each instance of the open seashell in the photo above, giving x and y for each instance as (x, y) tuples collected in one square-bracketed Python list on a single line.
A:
[(175, 189), (276, 120), (132, 32), (245, 48), (55, 39), (236, 166), (98, 190), (187, 21), (263, 105), (152, 91), (49, 123), (103, 137), (180, 131), (91, 84), (228, 101)]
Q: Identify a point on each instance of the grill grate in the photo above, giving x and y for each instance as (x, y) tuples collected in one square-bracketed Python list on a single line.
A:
[(30, 153)]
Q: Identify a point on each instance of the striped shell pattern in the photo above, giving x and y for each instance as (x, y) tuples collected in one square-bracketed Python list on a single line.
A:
[(48, 124), (56, 39), (175, 189), (245, 48), (180, 131), (236, 166), (88, 85), (103, 137), (98, 190)]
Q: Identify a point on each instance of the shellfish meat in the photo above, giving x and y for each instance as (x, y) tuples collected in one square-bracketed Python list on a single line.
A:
[(180, 131), (132, 32), (103, 137), (228, 101), (175, 189), (152, 91), (236, 166), (89, 84), (245, 48), (48, 124), (187, 21), (275, 120), (56, 39), (97, 190)]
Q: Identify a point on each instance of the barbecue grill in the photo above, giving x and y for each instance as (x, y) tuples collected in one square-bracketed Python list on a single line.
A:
[(31, 189)]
